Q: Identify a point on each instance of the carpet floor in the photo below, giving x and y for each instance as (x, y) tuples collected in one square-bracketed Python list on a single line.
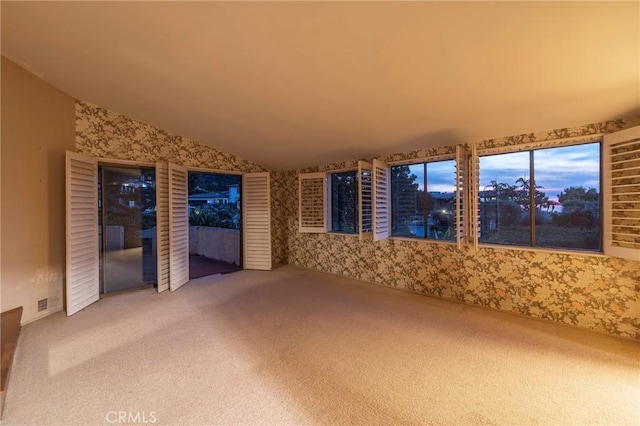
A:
[(294, 346)]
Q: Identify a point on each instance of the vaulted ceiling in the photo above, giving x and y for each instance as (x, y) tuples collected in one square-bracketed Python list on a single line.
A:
[(293, 84)]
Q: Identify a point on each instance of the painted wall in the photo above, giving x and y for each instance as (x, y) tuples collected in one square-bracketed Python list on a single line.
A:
[(40, 123), (37, 128), (590, 291), (106, 134)]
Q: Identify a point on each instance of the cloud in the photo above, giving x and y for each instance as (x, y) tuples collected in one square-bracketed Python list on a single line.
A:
[(441, 175), (555, 169)]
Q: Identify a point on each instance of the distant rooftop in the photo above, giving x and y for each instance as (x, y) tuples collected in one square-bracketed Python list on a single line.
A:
[(209, 195)]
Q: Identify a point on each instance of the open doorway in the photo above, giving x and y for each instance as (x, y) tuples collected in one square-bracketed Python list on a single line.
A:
[(160, 199), (127, 227), (215, 242)]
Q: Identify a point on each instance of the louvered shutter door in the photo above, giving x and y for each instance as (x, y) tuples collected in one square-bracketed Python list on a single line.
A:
[(82, 263), (621, 192), (162, 225), (312, 202), (178, 226), (256, 219), (365, 191), (381, 200)]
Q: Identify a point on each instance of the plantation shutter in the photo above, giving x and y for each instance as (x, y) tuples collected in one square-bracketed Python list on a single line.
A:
[(621, 194), (162, 225), (473, 195), (82, 264), (381, 200), (256, 218), (467, 196), (365, 187), (461, 217), (312, 202), (178, 226)]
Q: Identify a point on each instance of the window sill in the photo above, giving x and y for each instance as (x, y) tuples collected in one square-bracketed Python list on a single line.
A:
[(344, 234), (549, 250), (424, 240)]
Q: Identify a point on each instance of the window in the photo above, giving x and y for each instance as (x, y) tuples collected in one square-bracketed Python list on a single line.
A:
[(344, 202), (340, 202), (547, 197), (423, 200)]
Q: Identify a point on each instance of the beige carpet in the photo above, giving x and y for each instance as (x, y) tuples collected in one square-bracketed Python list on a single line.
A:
[(295, 346)]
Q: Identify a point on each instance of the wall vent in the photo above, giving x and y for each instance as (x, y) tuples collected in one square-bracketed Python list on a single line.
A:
[(42, 305)]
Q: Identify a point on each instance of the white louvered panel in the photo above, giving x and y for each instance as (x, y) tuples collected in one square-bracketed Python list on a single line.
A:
[(460, 188), (312, 199), (467, 196), (256, 218), (162, 225), (365, 192), (473, 211), (178, 226), (82, 264), (83, 216), (80, 245), (77, 232), (381, 200), (621, 191)]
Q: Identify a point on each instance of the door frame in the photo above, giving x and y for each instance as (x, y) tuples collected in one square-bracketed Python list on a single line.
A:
[(112, 164), (233, 173)]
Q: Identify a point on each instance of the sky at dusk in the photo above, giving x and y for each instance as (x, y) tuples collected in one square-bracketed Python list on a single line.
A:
[(555, 169)]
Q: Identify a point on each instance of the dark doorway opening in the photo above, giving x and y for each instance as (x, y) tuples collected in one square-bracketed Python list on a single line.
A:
[(215, 241)]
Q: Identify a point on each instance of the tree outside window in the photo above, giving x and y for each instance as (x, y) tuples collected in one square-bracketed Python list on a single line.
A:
[(565, 198)]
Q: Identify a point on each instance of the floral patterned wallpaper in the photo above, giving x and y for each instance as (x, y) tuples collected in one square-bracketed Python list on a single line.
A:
[(559, 135), (590, 291), (105, 134)]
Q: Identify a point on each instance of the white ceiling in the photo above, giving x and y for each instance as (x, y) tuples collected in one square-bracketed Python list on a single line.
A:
[(293, 84)]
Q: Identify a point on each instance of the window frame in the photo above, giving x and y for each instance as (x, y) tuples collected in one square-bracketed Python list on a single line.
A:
[(530, 148), (323, 197), (356, 201), (460, 176)]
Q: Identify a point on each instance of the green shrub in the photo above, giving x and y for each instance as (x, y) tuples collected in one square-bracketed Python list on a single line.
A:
[(215, 215)]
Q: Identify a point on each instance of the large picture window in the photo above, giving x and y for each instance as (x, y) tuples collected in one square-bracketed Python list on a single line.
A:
[(423, 200), (546, 197)]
